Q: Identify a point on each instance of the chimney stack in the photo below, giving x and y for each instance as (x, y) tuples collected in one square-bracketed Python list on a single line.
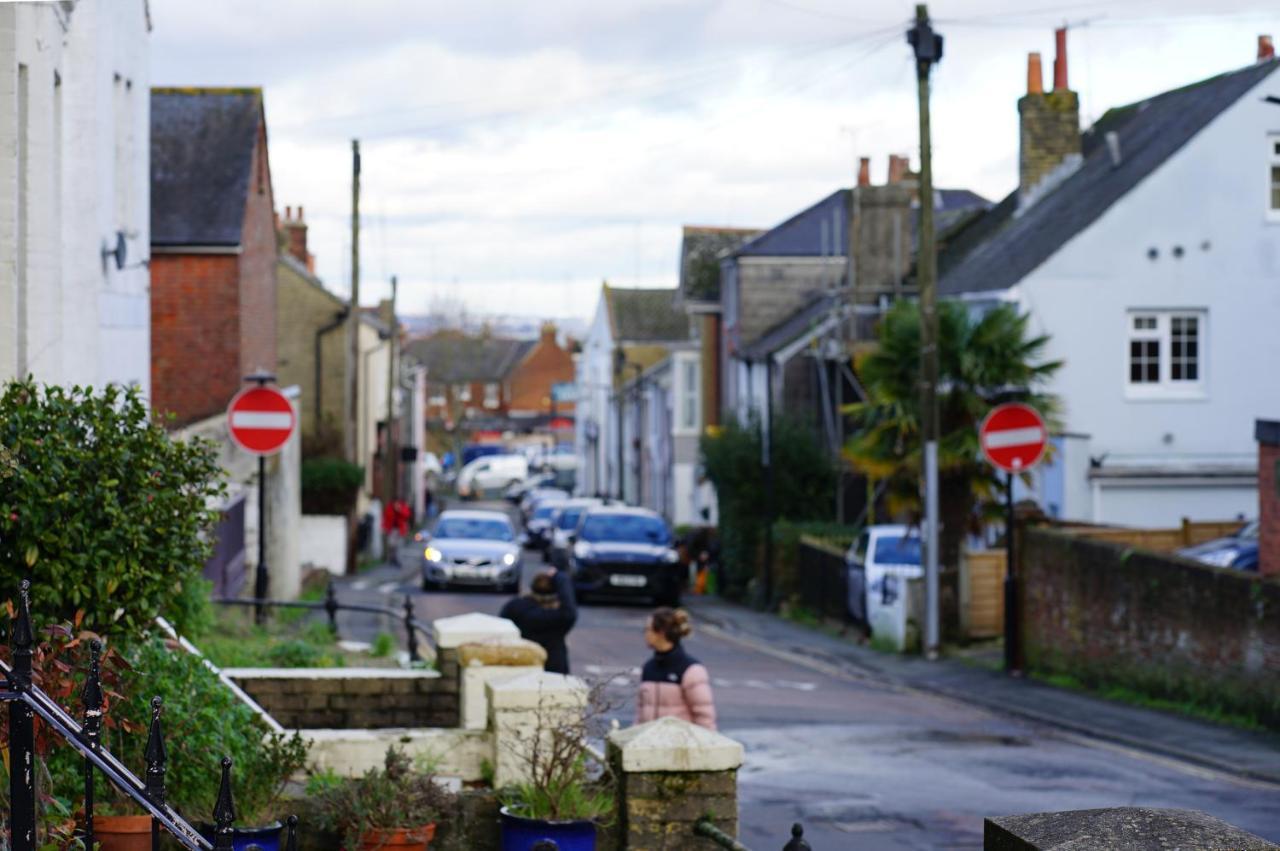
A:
[(864, 171), (898, 168), (1035, 77), (1049, 122), (1266, 48), (1060, 60), (295, 236)]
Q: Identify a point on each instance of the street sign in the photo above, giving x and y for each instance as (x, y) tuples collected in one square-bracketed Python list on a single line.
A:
[(260, 419), (1013, 437)]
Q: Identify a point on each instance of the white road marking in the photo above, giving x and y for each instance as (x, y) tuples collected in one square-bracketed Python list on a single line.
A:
[(388, 587), (279, 421), (360, 585)]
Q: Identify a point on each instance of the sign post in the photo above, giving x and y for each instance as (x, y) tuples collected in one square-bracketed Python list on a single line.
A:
[(1013, 438), (260, 420)]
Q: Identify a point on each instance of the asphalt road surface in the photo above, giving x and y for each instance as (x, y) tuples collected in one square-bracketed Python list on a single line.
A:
[(865, 764)]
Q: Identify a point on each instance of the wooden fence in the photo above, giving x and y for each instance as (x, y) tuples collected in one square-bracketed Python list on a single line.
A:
[(1160, 540), (982, 593)]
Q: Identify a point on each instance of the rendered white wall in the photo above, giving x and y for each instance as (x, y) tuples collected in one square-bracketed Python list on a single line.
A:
[(322, 542)]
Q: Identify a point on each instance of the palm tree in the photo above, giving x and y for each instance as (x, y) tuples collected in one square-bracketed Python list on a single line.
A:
[(982, 361)]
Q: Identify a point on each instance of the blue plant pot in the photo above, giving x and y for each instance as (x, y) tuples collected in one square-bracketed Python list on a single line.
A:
[(266, 838), (519, 833)]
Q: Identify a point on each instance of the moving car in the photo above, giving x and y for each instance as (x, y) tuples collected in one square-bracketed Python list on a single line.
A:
[(531, 499), (538, 529), (621, 551), (564, 523), (491, 473), (1238, 551), (515, 492), (472, 548)]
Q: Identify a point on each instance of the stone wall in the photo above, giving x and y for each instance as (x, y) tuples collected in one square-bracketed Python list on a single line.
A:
[(1159, 624), (354, 698)]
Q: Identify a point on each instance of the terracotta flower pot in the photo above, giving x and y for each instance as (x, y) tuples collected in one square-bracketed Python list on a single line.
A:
[(122, 833), (405, 839)]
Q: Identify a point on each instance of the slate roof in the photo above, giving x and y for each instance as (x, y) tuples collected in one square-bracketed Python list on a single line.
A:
[(202, 143), (700, 251), (452, 357), (1002, 247), (645, 315)]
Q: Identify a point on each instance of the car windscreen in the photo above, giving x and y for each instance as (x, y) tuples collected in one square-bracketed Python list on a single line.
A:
[(545, 510), (1249, 530), (627, 528), (895, 549), (473, 527), (569, 518)]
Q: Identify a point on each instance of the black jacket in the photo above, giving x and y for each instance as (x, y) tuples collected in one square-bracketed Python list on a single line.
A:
[(547, 627)]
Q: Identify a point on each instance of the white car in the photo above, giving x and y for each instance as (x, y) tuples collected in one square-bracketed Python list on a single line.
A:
[(491, 473), (883, 558)]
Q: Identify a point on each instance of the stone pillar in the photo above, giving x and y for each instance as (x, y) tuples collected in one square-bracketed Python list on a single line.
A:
[(526, 712), (492, 661), (671, 774), (452, 633)]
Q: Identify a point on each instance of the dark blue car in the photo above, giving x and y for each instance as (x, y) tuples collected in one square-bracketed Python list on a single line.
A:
[(1238, 551), (625, 552)]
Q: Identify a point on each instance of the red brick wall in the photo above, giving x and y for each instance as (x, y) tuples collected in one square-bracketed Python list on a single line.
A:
[(258, 268), (530, 382), (1268, 511), (195, 334)]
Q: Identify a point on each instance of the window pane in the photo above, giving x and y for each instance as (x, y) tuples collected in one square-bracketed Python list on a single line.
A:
[(1135, 373)]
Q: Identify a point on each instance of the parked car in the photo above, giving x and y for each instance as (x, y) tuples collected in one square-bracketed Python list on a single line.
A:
[(516, 490), (564, 524), (472, 548), (1238, 551), (879, 563), (491, 473), (533, 497), (620, 551), (538, 529)]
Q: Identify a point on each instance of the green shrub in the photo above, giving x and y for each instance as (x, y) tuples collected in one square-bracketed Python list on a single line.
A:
[(384, 644), (103, 510), (786, 548), (330, 485)]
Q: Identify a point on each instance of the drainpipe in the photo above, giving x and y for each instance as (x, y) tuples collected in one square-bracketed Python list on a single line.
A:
[(338, 319)]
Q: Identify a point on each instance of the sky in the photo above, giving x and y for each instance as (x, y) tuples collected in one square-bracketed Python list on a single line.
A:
[(516, 154)]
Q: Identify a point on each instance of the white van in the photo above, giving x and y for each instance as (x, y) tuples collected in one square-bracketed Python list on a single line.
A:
[(491, 473)]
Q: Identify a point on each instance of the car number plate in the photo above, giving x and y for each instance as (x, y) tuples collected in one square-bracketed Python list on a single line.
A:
[(627, 580), (467, 572)]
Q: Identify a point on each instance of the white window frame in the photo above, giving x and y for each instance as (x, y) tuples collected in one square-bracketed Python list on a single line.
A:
[(492, 396), (1160, 322), (1272, 177), (688, 395), (464, 393)]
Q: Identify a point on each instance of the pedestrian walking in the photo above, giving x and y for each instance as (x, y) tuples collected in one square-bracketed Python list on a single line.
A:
[(673, 683), (545, 615)]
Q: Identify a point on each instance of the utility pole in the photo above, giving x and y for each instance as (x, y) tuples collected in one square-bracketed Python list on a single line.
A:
[(353, 316), (928, 51), (389, 460)]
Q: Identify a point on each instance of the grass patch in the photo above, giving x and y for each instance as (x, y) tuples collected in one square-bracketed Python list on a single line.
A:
[(237, 642), (1134, 697)]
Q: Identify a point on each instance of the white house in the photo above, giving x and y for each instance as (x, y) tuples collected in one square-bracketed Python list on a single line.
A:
[(1148, 250), (74, 192)]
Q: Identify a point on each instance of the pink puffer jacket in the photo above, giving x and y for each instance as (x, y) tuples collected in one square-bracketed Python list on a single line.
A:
[(677, 685)]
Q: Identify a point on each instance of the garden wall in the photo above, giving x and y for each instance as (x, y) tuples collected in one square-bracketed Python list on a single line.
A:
[(1169, 627)]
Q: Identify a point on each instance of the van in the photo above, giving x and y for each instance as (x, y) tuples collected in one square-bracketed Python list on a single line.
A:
[(491, 473)]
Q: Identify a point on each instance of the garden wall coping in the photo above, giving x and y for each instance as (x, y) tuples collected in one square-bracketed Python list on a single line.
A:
[(453, 752), (673, 744), (537, 690), (514, 652), (470, 628), (1118, 828), (332, 673)]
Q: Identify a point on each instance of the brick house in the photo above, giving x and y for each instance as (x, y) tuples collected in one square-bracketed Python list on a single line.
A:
[(532, 379), (467, 376), (213, 248)]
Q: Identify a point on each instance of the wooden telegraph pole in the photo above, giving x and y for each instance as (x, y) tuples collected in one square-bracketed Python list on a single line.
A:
[(928, 51), (353, 316)]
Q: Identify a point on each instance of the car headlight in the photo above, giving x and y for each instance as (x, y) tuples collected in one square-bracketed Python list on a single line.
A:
[(1221, 558), (432, 554), (671, 556), (509, 559), (582, 551)]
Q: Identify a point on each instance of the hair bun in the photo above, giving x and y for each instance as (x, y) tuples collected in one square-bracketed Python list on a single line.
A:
[(680, 622)]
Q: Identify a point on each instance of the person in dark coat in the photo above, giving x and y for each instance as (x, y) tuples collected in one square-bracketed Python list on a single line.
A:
[(545, 615)]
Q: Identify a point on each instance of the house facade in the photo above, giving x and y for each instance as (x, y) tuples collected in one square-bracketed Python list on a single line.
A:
[(74, 188), (1146, 249), (213, 248)]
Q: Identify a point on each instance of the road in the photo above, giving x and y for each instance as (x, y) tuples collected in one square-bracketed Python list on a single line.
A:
[(866, 764)]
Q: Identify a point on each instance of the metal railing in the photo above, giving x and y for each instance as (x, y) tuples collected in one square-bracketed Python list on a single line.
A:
[(707, 829), (828, 586), (27, 701), (331, 606)]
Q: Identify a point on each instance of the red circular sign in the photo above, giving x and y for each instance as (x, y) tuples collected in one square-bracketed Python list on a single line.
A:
[(1013, 437), (260, 420)]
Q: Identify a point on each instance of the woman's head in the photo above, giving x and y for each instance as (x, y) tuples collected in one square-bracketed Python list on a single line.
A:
[(666, 627), (543, 589)]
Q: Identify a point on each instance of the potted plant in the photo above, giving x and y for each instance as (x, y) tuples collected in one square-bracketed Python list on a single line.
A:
[(393, 808)]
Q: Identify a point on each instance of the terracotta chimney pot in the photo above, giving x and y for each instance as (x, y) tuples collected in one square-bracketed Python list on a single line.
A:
[(1035, 77), (1060, 60), (1266, 48), (864, 171)]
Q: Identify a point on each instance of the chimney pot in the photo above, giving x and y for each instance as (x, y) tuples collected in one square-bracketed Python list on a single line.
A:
[(1266, 48), (288, 214), (299, 212), (898, 167), (864, 171), (1060, 60), (1035, 78)]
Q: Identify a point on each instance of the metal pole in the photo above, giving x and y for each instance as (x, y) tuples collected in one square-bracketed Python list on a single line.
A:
[(928, 50), (767, 449), (260, 575), (1010, 584), (22, 779)]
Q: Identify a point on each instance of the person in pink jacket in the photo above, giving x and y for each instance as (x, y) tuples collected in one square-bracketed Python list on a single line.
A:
[(672, 682)]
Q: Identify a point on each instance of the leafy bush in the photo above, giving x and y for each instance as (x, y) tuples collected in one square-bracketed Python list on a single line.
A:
[(400, 795), (330, 485), (804, 479), (102, 509), (239, 643)]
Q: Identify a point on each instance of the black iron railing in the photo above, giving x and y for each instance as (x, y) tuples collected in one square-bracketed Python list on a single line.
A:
[(27, 701), (707, 829), (331, 606), (828, 586)]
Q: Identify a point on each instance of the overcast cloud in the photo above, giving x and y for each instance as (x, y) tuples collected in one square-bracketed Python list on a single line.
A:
[(515, 154)]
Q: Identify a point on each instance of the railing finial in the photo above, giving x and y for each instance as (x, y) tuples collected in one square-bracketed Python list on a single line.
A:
[(410, 635), (797, 842), (331, 605), (224, 811), (156, 754), (23, 637), (291, 834), (92, 693)]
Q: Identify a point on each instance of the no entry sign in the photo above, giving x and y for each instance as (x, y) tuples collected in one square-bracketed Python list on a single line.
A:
[(260, 420), (1013, 437)]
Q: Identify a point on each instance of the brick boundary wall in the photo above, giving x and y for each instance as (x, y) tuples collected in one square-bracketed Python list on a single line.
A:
[(1163, 625), (356, 699)]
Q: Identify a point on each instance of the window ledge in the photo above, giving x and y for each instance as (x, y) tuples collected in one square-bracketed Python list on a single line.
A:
[(1165, 394)]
